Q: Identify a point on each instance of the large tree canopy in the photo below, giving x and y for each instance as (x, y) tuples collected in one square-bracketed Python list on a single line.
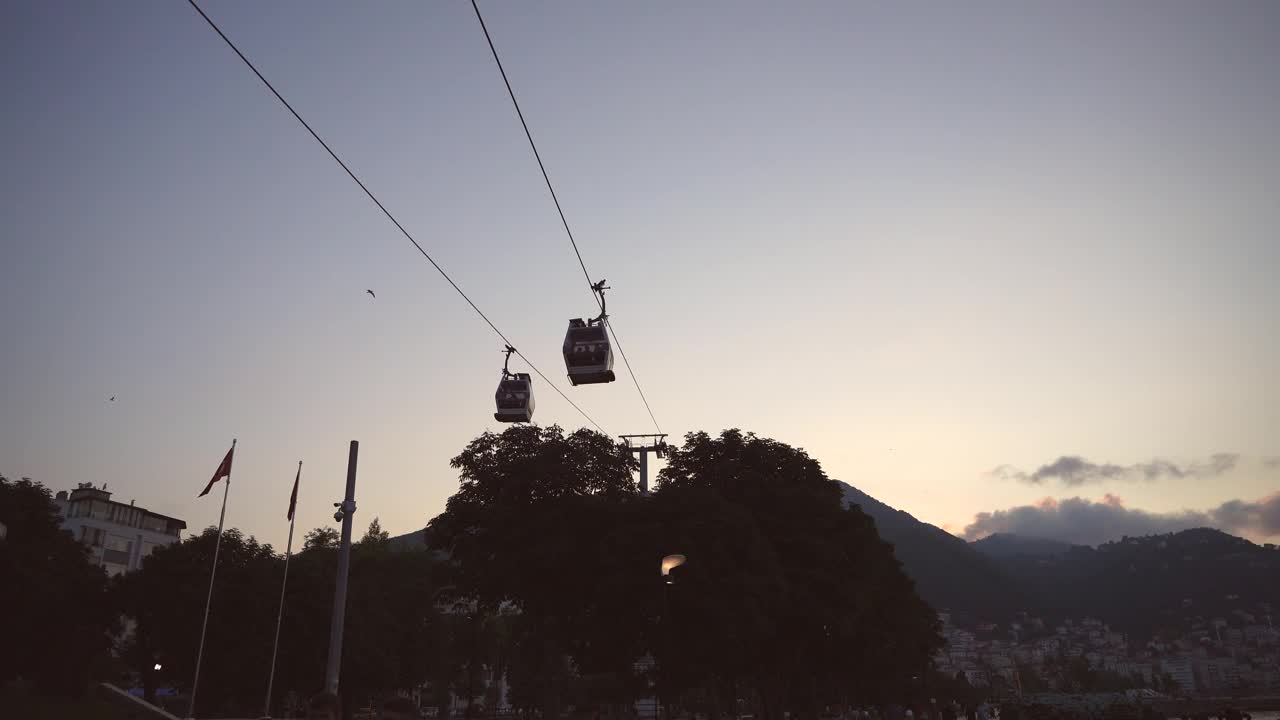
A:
[(786, 592), (845, 619), (527, 464), (532, 505), (541, 524)]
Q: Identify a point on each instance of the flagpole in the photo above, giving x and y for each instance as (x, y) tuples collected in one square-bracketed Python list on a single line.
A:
[(288, 549), (191, 710)]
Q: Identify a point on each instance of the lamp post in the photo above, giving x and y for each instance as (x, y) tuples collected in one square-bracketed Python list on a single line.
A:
[(669, 563), (149, 675)]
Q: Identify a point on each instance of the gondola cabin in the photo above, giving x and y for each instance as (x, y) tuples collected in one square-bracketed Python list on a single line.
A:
[(515, 398), (587, 354)]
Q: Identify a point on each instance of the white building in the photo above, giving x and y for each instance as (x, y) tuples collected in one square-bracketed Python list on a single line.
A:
[(1138, 669), (118, 535), (1217, 674), (1180, 669)]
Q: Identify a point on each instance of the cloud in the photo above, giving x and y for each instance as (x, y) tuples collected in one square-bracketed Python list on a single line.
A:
[(1089, 522), (1073, 470), (1260, 518)]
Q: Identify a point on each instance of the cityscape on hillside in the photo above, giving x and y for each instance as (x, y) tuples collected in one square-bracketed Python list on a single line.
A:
[(1210, 656)]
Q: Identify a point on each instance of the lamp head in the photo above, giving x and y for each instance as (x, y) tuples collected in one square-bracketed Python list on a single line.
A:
[(671, 562)]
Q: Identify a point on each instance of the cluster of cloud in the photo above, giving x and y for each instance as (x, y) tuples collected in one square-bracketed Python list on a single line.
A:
[(1088, 522), (1073, 470)]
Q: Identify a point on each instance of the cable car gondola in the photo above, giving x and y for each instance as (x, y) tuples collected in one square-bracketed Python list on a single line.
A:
[(515, 395), (588, 356)]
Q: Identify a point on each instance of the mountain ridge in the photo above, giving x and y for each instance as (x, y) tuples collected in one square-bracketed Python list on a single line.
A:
[(1145, 584), (949, 574), (1001, 545)]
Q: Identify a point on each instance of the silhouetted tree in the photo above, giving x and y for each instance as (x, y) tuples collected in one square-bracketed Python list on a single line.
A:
[(57, 621), (533, 528), (786, 592), (390, 625), (375, 537), (848, 620), (715, 624), (321, 538), (389, 641), (165, 599)]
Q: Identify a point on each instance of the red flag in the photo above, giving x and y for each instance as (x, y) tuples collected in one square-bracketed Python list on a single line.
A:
[(293, 497), (223, 471)]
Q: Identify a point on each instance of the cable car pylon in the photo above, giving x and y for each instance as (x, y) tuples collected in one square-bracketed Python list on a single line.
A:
[(642, 445)]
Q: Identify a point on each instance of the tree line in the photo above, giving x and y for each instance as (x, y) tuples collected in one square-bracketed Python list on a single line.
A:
[(541, 577)]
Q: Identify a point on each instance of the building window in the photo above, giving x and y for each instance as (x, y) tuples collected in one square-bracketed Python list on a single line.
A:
[(91, 536), (119, 544), (116, 557)]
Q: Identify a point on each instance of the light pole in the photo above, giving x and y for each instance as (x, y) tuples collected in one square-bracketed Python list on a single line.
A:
[(346, 509), (669, 563)]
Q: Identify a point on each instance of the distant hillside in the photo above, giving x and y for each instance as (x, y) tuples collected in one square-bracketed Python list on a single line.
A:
[(1142, 585), (1006, 545), (408, 541), (949, 574)]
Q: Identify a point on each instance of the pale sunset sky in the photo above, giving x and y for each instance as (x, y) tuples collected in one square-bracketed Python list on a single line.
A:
[(937, 245)]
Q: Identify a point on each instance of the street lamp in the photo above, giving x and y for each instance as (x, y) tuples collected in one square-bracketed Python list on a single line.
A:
[(669, 563)]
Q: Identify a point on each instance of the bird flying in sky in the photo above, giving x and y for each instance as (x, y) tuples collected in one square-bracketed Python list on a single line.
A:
[(113, 399), (371, 294)]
